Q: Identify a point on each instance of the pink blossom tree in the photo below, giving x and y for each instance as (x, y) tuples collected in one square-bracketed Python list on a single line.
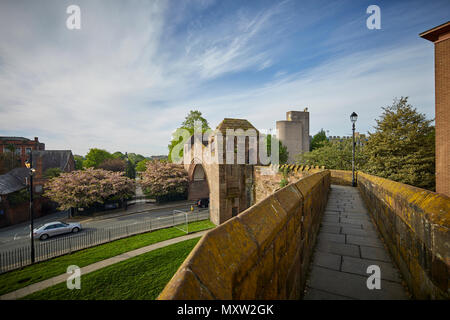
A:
[(83, 188), (165, 181)]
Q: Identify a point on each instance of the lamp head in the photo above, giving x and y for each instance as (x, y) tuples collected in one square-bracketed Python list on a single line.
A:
[(353, 117)]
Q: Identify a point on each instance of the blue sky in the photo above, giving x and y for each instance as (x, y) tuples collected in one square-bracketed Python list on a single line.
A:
[(128, 78)]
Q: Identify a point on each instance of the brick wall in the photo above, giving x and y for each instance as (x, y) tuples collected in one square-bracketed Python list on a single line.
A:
[(415, 225), (263, 253), (442, 83)]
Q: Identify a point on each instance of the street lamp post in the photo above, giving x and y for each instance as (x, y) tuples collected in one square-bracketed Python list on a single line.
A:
[(353, 118), (29, 165)]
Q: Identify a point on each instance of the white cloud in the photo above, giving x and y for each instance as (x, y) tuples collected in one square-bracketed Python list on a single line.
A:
[(127, 79)]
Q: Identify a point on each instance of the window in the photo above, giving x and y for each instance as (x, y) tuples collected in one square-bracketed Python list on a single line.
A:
[(27, 150), (38, 188)]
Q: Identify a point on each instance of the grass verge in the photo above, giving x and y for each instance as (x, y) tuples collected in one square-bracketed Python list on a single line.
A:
[(139, 278), (28, 275)]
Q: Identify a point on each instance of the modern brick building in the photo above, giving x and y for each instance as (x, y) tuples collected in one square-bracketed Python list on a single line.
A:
[(440, 36)]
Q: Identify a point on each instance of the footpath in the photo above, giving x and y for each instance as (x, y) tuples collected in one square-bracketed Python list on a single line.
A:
[(347, 245), (23, 292)]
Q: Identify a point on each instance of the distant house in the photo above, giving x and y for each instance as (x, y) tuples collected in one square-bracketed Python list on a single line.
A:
[(50, 159), (14, 204)]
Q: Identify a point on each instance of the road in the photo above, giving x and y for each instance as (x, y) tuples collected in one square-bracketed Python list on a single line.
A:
[(18, 236)]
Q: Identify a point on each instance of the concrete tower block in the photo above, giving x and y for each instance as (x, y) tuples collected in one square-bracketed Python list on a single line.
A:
[(294, 133)]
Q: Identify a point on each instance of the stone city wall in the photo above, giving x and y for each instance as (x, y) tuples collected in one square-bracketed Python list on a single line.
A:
[(415, 225), (262, 253)]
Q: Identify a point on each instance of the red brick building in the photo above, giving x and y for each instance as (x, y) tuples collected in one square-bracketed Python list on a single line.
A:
[(18, 148), (440, 36), (14, 205)]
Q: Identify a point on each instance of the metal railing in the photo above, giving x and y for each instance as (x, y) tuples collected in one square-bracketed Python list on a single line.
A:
[(60, 245)]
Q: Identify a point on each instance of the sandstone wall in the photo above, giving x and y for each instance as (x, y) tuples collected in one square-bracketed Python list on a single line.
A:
[(266, 184), (263, 253), (342, 177), (415, 226)]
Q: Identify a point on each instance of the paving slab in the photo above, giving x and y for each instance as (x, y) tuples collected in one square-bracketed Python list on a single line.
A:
[(347, 244)]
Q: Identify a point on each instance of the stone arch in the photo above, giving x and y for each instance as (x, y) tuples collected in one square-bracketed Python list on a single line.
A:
[(198, 182)]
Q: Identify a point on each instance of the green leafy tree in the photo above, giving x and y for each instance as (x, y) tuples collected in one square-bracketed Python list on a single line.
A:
[(335, 154), (282, 149), (118, 155), (78, 162), (135, 158), (52, 173), (403, 146), (181, 136), (317, 139), (142, 165), (95, 157)]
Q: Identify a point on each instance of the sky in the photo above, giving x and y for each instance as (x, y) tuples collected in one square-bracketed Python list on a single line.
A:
[(127, 79)]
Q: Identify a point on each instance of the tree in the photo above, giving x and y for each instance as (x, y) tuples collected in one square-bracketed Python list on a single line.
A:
[(317, 140), (83, 188), (115, 165), (165, 181), (118, 155), (282, 149), (188, 124), (52, 173), (95, 157), (142, 165), (403, 148), (78, 162), (335, 154)]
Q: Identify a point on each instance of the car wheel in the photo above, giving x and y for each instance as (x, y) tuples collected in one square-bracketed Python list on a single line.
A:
[(75, 230), (43, 237)]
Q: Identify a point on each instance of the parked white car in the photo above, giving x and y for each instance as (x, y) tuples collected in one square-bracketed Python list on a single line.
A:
[(55, 228)]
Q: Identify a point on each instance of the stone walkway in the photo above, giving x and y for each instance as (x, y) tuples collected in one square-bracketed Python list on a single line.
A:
[(23, 292), (346, 245)]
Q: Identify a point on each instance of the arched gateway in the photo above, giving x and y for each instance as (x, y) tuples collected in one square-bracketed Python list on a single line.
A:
[(228, 184)]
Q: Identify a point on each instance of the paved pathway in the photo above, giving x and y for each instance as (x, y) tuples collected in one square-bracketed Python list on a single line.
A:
[(20, 293), (346, 245)]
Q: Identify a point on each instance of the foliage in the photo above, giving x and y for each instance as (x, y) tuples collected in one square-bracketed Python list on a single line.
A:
[(403, 147), (18, 197), (52, 173), (40, 271), (95, 157), (130, 170), (84, 188), (135, 158), (316, 141), (142, 165), (282, 149), (78, 162), (180, 137), (335, 154), (164, 180), (115, 165), (118, 155)]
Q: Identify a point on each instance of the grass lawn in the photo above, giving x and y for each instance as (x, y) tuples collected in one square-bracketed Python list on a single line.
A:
[(140, 277), (20, 278)]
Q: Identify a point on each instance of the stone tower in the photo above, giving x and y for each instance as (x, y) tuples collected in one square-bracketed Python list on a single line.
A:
[(294, 132)]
